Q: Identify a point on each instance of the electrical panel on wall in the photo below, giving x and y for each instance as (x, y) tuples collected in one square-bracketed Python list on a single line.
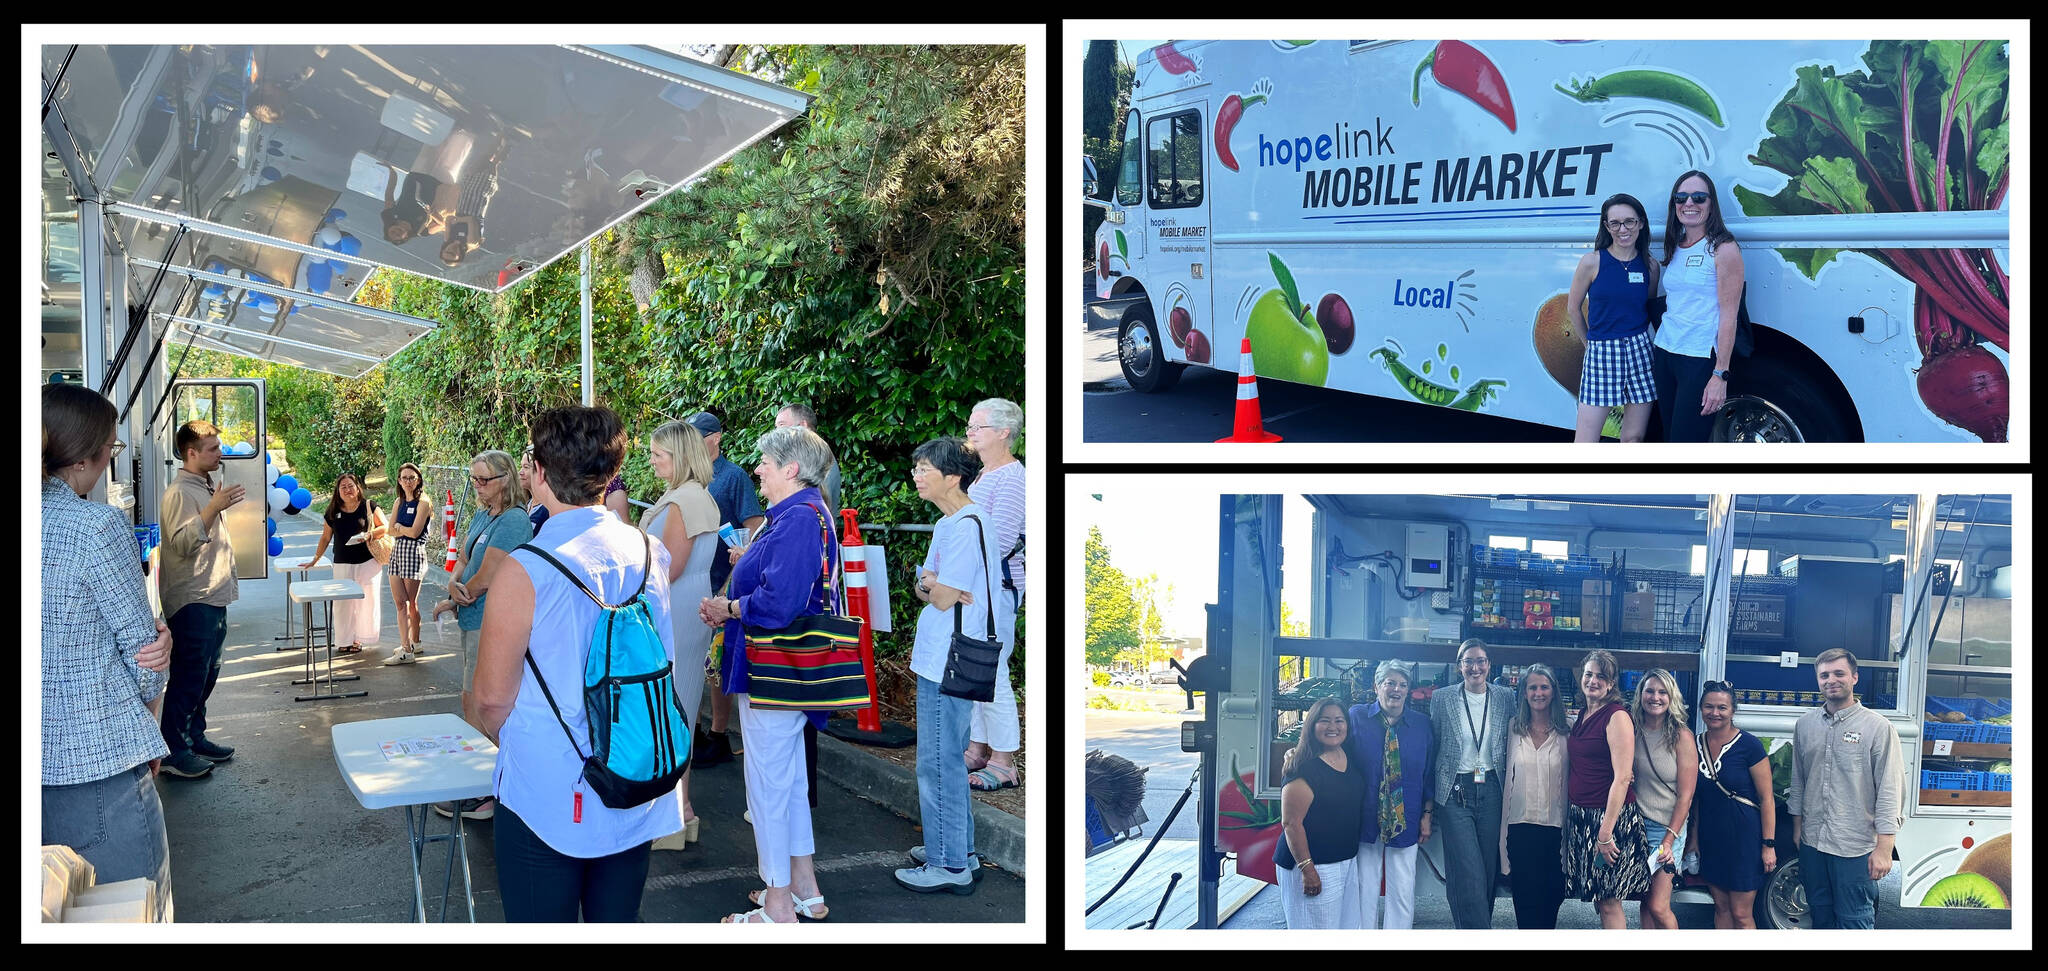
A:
[(1429, 559)]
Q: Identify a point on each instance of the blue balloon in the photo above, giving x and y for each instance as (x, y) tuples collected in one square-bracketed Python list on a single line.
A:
[(301, 498), (336, 215), (276, 546), (269, 526), (349, 245), (287, 483), (319, 276), (271, 174), (266, 457)]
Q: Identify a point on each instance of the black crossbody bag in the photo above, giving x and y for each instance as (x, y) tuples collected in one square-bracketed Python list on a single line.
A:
[(971, 662)]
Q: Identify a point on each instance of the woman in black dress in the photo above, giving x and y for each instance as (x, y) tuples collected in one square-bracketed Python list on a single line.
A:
[(1734, 814)]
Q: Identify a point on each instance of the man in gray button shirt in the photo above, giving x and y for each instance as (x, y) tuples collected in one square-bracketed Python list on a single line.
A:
[(1846, 789)]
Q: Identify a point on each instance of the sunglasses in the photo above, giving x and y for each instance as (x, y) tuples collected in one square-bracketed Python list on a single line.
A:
[(1696, 198)]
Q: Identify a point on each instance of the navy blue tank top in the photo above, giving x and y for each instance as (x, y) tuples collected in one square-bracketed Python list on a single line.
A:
[(406, 512), (1617, 298)]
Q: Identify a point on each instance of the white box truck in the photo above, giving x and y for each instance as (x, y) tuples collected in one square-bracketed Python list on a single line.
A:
[(1402, 218)]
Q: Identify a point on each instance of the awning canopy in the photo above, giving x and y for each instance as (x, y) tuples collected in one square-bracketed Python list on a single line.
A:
[(294, 170)]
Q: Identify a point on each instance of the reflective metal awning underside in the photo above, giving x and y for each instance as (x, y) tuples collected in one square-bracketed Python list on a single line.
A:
[(298, 169)]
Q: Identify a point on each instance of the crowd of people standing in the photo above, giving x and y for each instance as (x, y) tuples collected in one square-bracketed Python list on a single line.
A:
[(548, 547)]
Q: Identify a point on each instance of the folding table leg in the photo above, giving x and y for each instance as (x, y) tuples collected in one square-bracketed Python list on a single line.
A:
[(416, 838)]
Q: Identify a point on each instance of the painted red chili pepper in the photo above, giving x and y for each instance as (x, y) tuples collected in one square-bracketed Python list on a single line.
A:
[(1460, 67), (1228, 115), (1172, 60)]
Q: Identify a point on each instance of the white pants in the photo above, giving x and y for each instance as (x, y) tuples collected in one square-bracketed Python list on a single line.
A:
[(357, 621), (994, 723), (778, 795), (1336, 907), (1399, 865)]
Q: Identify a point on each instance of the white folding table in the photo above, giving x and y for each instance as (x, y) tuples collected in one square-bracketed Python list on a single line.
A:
[(306, 594), (386, 764), (289, 565)]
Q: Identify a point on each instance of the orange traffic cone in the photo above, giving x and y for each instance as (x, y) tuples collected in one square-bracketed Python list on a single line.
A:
[(1249, 426)]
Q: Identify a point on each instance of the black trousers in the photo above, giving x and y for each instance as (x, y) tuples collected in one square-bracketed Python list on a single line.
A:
[(541, 885), (1536, 874), (1681, 380)]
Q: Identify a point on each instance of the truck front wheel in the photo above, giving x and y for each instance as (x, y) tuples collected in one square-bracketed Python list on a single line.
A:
[(1782, 901), (1773, 400), (1143, 356)]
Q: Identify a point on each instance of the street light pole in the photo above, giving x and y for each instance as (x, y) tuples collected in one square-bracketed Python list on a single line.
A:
[(589, 388)]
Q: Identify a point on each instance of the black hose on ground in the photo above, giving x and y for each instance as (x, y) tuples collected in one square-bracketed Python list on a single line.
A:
[(1163, 827)]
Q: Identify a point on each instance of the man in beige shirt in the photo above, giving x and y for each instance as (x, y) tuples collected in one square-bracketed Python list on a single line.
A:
[(1845, 800), (196, 583)]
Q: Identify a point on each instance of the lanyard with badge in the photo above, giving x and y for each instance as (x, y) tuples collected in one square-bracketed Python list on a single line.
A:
[(1478, 733)]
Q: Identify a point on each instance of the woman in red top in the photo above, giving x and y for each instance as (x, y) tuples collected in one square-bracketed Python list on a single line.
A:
[(1605, 850)]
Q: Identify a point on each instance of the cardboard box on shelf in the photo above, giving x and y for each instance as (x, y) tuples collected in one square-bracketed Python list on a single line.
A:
[(1595, 598), (1638, 612)]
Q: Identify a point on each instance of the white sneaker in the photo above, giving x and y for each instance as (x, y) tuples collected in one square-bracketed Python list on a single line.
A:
[(401, 656)]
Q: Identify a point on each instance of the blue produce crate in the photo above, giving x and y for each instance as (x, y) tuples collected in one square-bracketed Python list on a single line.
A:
[(1966, 732), (1992, 734), (1099, 834), (1945, 780), (1993, 781), (1977, 709)]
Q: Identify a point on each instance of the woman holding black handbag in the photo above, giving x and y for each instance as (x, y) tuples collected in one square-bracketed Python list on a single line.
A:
[(956, 582)]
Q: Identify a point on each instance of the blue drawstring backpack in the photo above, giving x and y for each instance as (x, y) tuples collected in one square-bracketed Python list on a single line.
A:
[(639, 736)]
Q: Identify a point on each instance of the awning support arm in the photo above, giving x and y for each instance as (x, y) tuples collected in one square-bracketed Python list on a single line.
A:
[(50, 94), (138, 316), (154, 350), (170, 383)]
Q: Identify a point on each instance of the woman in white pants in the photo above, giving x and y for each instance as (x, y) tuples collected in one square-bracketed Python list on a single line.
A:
[(1392, 740), (1322, 804), (993, 734), (349, 515), (784, 574)]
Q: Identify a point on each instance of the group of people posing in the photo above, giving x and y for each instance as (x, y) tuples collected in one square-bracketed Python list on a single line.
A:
[(549, 538), (1602, 809), (1684, 368)]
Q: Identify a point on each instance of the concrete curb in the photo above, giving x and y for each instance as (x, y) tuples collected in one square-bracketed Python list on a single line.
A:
[(998, 836)]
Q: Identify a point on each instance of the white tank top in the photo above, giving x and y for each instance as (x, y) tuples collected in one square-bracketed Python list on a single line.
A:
[(1692, 311)]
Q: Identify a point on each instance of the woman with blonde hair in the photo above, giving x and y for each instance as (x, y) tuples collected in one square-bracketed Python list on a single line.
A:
[(1533, 797), (1664, 785), (1604, 851), (685, 518)]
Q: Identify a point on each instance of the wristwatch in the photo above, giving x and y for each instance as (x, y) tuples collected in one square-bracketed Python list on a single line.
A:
[(1773, 844), (1721, 372)]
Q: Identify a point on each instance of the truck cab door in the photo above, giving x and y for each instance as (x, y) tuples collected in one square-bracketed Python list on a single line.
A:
[(235, 406), (1176, 222), (1120, 240)]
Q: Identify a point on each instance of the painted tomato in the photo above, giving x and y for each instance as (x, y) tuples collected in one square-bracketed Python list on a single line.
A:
[(1247, 826)]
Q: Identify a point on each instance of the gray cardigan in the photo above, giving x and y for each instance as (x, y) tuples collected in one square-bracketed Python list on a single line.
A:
[(1447, 724)]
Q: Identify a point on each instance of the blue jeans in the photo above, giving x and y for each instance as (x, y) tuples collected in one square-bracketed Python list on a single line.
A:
[(944, 804), (1839, 891), (117, 824), (197, 631), (540, 885)]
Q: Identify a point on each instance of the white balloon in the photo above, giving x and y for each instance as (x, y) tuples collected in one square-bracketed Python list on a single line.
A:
[(270, 475), (244, 448), (278, 498), (329, 235)]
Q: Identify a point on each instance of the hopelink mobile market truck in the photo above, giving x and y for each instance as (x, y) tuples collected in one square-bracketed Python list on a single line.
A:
[(1744, 588), (1402, 218)]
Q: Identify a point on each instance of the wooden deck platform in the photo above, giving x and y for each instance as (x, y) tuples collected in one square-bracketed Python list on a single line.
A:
[(1137, 900)]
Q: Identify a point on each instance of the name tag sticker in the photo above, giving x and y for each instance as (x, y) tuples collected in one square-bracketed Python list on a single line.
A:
[(1697, 259), (1635, 278), (1852, 737)]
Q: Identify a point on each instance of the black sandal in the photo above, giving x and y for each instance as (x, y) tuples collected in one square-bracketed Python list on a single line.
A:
[(351, 649)]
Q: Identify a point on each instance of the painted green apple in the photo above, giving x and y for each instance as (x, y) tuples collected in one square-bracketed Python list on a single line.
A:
[(1285, 346)]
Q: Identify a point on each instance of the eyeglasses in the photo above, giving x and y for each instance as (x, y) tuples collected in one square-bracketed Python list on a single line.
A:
[(1398, 686), (917, 470), (480, 480), (1679, 199), (1618, 225), (1473, 662), (971, 429)]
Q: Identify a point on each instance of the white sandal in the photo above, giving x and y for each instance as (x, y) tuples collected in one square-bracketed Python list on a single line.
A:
[(755, 916), (808, 908)]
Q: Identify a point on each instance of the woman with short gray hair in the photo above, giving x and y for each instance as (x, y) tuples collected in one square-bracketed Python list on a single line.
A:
[(801, 446), (995, 736), (1392, 739)]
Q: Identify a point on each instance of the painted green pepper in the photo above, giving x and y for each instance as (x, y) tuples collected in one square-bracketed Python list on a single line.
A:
[(1644, 83)]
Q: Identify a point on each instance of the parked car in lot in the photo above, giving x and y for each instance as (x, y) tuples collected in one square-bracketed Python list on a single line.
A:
[(1168, 676), (1127, 679)]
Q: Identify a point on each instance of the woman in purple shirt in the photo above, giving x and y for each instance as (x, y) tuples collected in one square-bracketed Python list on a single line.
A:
[(781, 576), (1605, 848)]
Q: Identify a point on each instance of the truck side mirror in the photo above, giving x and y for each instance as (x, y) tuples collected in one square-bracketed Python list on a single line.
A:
[(1089, 182)]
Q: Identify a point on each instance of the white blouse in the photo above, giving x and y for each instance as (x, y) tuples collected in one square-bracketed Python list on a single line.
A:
[(1534, 792)]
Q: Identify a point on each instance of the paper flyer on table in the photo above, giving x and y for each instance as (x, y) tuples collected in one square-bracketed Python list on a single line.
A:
[(425, 747)]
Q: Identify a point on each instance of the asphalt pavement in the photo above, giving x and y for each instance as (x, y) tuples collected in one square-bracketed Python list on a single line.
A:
[(275, 836), (1151, 739), (1202, 406)]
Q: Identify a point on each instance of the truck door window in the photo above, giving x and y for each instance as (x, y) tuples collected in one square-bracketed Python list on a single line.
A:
[(1173, 149), (1130, 177)]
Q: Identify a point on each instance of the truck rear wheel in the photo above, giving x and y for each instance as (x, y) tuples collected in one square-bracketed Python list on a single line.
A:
[(1782, 901), (1142, 355), (1772, 400)]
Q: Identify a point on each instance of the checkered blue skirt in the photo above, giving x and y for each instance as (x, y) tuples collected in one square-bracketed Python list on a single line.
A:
[(1617, 372), (407, 562)]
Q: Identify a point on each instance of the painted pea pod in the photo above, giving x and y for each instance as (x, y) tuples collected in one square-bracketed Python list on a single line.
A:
[(1650, 84), (1479, 394), (1418, 387)]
